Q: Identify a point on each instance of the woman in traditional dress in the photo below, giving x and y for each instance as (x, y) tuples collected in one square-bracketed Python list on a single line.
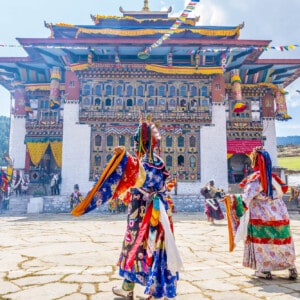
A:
[(212, 206), (149, 254), (259, 217)]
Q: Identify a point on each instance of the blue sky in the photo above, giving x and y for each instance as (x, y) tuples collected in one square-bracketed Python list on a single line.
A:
[(274, 20)]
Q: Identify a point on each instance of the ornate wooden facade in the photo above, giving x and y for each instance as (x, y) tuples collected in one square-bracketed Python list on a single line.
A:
[(181, 83), (112, 100)]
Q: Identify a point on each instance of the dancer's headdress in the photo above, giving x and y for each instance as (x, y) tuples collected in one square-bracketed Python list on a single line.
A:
[(261, 161), (147, 138)]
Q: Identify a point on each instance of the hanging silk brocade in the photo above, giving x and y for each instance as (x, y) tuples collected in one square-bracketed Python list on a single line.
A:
[(56, 148), (281, 108), (37, 150), (54, 88)]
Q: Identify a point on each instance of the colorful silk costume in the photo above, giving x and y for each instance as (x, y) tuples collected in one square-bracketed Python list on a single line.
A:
[(149, 255), (212, 206), (259, 217)]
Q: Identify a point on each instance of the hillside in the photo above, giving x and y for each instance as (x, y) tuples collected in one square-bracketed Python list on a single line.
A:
[(288, 150), (288, 140)]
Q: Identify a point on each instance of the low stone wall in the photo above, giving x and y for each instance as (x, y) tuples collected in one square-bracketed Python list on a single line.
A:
[(56, 204), (183, 203), (61, 204)]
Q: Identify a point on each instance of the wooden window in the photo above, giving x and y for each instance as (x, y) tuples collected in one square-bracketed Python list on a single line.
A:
[(169, 141), (86, 90), (169, 161), (172, 91), (97, 160), (122, 140), (119, 90), (193, 162), (109, 141), (108, 90), (98, 140), (183, 91), (98, 90), (180, 141), (204, 91), (192, 141), (140, 91)]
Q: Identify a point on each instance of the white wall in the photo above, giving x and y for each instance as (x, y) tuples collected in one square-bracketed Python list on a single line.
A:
[(270, 144), (17, 147), (214, 149), (76, 151)]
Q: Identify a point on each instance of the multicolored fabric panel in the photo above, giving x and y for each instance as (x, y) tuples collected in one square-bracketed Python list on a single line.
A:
[(235, 209), (270, 232), (256, 175), (106, 185)]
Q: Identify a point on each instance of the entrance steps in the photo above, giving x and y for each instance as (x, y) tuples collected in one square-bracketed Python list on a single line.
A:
[(17, 205)]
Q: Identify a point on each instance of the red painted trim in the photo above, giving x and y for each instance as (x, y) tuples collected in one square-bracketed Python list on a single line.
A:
[(270, 241), (278, 61), (143, 41), (270, 223)]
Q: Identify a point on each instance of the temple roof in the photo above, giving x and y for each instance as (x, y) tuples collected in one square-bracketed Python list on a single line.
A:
[(129, 35), (129, 27), (146, 13)]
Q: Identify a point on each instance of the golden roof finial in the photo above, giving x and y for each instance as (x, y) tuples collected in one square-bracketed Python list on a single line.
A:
[(146, 6)]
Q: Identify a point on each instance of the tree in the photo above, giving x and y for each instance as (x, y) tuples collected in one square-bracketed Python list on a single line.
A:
[(4, 138)]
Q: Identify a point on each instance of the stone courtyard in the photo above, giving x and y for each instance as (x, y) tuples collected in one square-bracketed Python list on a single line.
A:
[(57, 256)]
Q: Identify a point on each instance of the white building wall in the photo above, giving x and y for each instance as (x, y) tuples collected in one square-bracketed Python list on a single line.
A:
[(76, 151), (17, 147), (214, 149), (213, 153), (270, 144)]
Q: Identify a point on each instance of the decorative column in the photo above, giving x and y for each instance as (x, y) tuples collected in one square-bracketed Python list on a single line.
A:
[(236, 85), (237, 97)]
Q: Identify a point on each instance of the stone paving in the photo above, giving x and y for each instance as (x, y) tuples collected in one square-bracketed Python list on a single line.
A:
[(58, 256)]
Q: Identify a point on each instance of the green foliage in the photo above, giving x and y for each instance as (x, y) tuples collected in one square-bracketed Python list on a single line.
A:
[(4, 138), (290, 163)]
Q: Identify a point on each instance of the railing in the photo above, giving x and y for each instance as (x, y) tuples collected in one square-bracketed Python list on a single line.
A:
[(242, 125), (43, 124), (111, 116)]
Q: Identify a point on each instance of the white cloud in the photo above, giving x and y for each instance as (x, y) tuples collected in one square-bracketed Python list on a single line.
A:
[(293, 100), (285, 128)]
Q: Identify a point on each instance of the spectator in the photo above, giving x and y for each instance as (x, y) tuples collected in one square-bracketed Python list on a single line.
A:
[(18, 186), (231, 175), (212, 206), (75, 197), (53, 184), (246, 170)]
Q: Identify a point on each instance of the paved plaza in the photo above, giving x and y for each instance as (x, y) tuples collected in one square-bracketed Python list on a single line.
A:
[(64, 257)]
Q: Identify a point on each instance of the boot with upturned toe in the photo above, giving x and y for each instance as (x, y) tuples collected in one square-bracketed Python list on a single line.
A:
[(128, 295), (293, 274), (266, 275)]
